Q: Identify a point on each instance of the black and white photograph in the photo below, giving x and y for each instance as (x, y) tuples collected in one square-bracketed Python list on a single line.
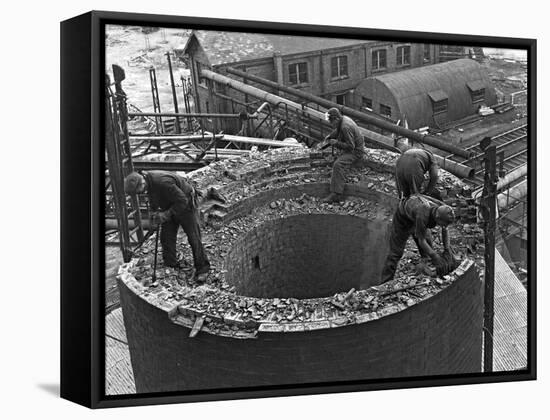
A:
[(284, 210), (275, 210)]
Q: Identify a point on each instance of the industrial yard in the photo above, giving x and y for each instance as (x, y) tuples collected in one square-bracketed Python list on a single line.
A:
[(243, 115)]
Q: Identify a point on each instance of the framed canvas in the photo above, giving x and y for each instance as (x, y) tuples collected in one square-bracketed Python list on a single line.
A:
[(263, 209)]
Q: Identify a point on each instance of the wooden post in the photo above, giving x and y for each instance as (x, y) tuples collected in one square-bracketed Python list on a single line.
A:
[(488, 209), (212, 101)]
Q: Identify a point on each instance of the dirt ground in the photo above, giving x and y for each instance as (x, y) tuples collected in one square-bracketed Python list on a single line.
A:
[(136, 52), (509, 75)]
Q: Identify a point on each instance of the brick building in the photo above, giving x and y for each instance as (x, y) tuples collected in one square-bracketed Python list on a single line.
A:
[(326, 67)]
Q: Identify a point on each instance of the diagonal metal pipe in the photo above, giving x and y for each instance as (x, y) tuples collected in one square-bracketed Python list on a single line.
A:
[(358, 115)]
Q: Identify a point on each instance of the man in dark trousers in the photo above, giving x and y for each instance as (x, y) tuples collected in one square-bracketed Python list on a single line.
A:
[(416, 215), (346, 137), (175, 203), (409, 173), (410, 169)]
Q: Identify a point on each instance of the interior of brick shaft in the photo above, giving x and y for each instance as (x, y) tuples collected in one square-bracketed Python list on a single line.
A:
[(308, 256)]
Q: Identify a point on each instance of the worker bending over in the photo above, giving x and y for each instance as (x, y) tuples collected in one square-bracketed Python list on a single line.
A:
[(409, 173), (346, 137), (175, 203), (416, 215)]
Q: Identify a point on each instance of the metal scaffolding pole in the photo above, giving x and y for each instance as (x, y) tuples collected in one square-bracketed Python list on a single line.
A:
[(488, 211)]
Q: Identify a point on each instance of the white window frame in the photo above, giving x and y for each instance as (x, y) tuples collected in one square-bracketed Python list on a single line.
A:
[(341, 61), (400, 56), (296, 66), (378, 52)]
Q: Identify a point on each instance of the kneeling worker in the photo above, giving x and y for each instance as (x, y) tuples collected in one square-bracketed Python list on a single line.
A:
[(409, 173), (416, 215), (346, 137), (178, 204)]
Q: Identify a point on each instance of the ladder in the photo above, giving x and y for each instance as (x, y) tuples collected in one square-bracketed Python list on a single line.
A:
[(119, 165), (156, 100)]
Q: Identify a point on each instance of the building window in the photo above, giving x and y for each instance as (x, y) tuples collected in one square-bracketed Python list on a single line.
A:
[(297, 73), (427, 53), (202, 80), (339, 67), (403, 56), (478, 95), (341, 99), (440, 107), (440, 101), (385, 110), (366, 103), (378, 59), (477, 90)]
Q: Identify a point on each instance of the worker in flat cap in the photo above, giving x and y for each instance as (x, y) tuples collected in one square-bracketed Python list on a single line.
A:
[(416, 215), (410, 170), (175, 203), (348, 139)]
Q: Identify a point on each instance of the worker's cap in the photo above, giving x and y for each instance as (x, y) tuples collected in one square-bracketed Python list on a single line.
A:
[(332, 114), (445, 215), (132, 183)]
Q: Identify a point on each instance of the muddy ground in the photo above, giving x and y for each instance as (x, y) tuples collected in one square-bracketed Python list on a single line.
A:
[(136, 52)]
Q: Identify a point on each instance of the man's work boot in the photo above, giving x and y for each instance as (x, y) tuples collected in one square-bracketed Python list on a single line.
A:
[(201, 274), (175, 265), (333, 198)]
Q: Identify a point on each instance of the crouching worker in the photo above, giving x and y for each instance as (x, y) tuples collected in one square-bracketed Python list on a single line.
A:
[(409, 173), (348, 139), (415, 216), (177, 202)]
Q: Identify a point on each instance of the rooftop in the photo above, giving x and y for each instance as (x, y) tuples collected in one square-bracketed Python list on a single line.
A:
[(231, 47)]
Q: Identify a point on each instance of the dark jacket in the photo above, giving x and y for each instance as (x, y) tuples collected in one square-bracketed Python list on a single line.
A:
[(415, 161), (410, 169), (349, 137), (420, 210), (169, 191)]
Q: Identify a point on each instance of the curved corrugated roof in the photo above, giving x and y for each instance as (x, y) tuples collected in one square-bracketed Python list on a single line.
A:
[(415, 89), (443, 76)]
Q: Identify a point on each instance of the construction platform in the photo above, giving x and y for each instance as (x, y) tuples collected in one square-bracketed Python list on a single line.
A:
[(510, 332), (510, 327), (119, 378)]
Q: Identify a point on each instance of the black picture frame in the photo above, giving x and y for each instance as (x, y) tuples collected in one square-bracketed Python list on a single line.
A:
[(82, 239)]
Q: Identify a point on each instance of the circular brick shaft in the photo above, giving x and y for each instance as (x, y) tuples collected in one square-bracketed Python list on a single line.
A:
[(292, 297), (308, 256)]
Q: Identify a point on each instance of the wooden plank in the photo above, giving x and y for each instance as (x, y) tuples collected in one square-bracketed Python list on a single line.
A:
[(510, 344), (119, 376), (259, 142)]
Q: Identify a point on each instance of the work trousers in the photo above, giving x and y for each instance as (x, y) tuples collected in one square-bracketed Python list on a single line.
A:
[(402, 228), (339, 170), (189, 220), (408, 182)]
